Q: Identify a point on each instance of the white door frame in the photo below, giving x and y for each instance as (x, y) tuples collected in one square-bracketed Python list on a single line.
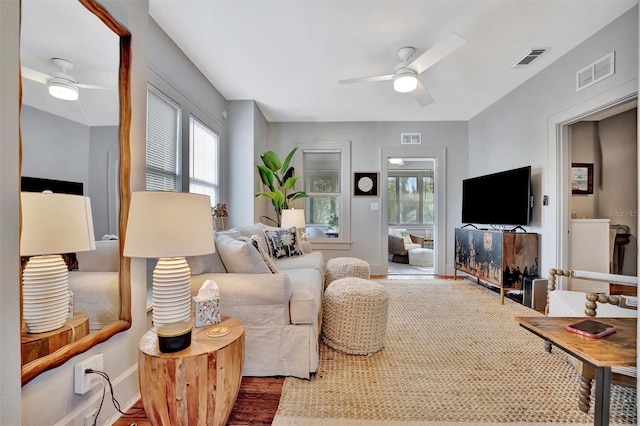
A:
[(439, 221), (556, 218)]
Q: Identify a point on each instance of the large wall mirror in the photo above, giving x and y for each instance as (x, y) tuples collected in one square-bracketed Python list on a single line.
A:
[(79, 146)]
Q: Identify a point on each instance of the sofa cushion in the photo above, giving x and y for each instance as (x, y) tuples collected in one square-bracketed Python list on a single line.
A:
[(104, 258), (282, 242), (240, 256), (206, 263), (566, 303), (306, 295), (313, 260)]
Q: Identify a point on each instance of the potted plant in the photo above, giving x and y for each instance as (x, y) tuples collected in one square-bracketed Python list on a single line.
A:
[(278, 178), (220, 217), (333, 222)]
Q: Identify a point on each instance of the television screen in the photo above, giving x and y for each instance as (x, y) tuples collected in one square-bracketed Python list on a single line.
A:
[(498, 199)]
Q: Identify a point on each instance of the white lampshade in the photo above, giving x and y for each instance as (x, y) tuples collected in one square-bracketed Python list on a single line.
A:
[(293, 217), (52, 224), (169, 224), (55, 224), (405, 81)]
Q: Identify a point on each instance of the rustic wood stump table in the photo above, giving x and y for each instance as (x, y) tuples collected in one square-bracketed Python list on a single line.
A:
[(196, 386), (37, 345)]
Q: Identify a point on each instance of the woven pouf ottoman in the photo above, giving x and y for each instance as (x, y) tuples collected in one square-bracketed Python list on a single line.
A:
[(342, 267), (421, 257), (354, 317)]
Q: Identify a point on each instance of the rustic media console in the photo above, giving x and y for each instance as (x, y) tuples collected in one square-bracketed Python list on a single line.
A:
[(500, 258)]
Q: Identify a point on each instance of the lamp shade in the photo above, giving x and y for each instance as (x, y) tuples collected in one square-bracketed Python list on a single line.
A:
[(293, 217), (55, 224), (168, 224)]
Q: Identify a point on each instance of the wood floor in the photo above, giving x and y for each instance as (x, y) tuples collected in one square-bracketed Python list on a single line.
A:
[(258, 398), (256, 405)]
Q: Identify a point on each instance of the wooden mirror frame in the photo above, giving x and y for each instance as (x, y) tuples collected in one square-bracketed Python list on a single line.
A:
[(59, 357)]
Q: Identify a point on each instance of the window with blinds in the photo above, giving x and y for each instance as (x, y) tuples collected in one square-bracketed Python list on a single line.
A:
[(203, 160), (163, 137)]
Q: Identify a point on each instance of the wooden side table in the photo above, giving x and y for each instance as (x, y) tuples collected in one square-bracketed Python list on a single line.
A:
[(196, 386), (37, 345)]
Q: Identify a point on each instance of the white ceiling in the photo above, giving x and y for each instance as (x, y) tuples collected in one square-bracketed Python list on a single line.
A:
[(288, 55)]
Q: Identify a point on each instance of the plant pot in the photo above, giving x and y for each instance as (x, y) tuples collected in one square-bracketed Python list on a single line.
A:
[(220, 223)]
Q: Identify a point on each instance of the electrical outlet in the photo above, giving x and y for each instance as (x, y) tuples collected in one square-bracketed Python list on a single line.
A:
[(85, 382)]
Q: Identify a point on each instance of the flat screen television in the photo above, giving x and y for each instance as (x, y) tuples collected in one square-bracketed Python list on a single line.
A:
[(502, 198)]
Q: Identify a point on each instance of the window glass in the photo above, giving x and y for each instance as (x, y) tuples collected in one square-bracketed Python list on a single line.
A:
[(409, 199), (203, 160), (392, 199), (163, 135)]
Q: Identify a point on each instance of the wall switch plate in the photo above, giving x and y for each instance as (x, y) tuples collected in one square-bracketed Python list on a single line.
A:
[(83, 381), (374, 206)]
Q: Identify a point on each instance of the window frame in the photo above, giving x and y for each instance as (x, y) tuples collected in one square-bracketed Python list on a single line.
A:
[(344, 148), (420, 176)]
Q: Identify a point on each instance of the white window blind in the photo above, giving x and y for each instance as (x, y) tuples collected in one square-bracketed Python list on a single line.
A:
[(163, 137), (203, 160)]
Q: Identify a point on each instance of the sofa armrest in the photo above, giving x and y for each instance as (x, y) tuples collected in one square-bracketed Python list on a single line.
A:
[(255, 299), (417, 240)]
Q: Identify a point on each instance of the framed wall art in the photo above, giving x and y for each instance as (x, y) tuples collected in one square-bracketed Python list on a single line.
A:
[(365, 184), (582, 178)]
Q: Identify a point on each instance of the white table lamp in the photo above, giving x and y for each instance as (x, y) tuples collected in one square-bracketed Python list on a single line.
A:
[(169, 226), (294, 218), (52, 224)]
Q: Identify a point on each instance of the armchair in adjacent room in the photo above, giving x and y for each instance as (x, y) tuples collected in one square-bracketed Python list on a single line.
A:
[(400, 242)]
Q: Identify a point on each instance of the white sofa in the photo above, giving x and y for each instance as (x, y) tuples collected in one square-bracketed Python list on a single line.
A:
[(281, 311), (94, 284)]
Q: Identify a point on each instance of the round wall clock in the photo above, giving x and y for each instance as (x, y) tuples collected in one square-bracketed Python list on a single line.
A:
[(366, 184)]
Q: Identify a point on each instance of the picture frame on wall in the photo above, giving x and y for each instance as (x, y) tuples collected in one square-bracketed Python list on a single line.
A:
[(365, 184), (582, 178)]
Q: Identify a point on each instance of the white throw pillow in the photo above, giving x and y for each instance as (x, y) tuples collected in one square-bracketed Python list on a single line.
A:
[(259, 242), (240, 256)]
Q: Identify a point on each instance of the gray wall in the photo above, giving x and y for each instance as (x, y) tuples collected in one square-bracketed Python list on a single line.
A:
[(513, 132), (56, 148), (367, 141)]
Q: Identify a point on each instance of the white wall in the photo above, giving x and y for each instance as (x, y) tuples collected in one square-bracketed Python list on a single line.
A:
[(49, 399), (10, 410), (367, 141), (513, 132)]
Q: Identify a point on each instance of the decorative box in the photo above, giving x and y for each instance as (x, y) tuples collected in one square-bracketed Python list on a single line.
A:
[(206, 311)]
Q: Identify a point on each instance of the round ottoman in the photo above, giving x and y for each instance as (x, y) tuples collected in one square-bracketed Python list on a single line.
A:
[(342, 267), (355, 316), (421, 257)]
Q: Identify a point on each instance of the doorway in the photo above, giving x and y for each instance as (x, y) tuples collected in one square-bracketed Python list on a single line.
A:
[(411, 210)]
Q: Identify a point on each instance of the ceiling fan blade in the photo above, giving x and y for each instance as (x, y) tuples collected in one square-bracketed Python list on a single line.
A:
[(437, 52), (93, 86), (367, 79), (31, 74), (422, 95)]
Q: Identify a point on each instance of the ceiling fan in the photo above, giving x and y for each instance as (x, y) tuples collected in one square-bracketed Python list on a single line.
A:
[(60, 83), (405, 77)]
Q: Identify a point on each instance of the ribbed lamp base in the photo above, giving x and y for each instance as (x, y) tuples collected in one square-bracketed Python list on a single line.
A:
[(171, 291), (45, 293)]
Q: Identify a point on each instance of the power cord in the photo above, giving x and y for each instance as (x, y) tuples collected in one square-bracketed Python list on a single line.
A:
[(115, 402)]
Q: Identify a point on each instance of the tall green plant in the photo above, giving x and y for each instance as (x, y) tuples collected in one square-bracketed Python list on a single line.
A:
[(278, 177)]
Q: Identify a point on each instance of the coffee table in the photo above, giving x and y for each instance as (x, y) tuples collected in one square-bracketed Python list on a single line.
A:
[(615, 350)]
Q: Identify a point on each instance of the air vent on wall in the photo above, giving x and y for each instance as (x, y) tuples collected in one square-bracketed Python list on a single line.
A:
[(411, 138), (530, 56), (599, 70)]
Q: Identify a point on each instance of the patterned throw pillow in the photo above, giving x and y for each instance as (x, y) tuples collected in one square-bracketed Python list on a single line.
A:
[(282, 243), (258, 242)]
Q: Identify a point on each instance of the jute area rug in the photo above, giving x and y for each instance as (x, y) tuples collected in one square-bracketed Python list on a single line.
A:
[(452, 355)]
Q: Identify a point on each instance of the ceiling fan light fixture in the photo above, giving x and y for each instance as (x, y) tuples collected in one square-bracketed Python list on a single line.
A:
[(405, 80), (62, 89)]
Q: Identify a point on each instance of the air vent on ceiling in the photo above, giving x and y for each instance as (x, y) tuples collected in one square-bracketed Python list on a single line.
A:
[(530, 56), (599, 70), (411, 138)]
